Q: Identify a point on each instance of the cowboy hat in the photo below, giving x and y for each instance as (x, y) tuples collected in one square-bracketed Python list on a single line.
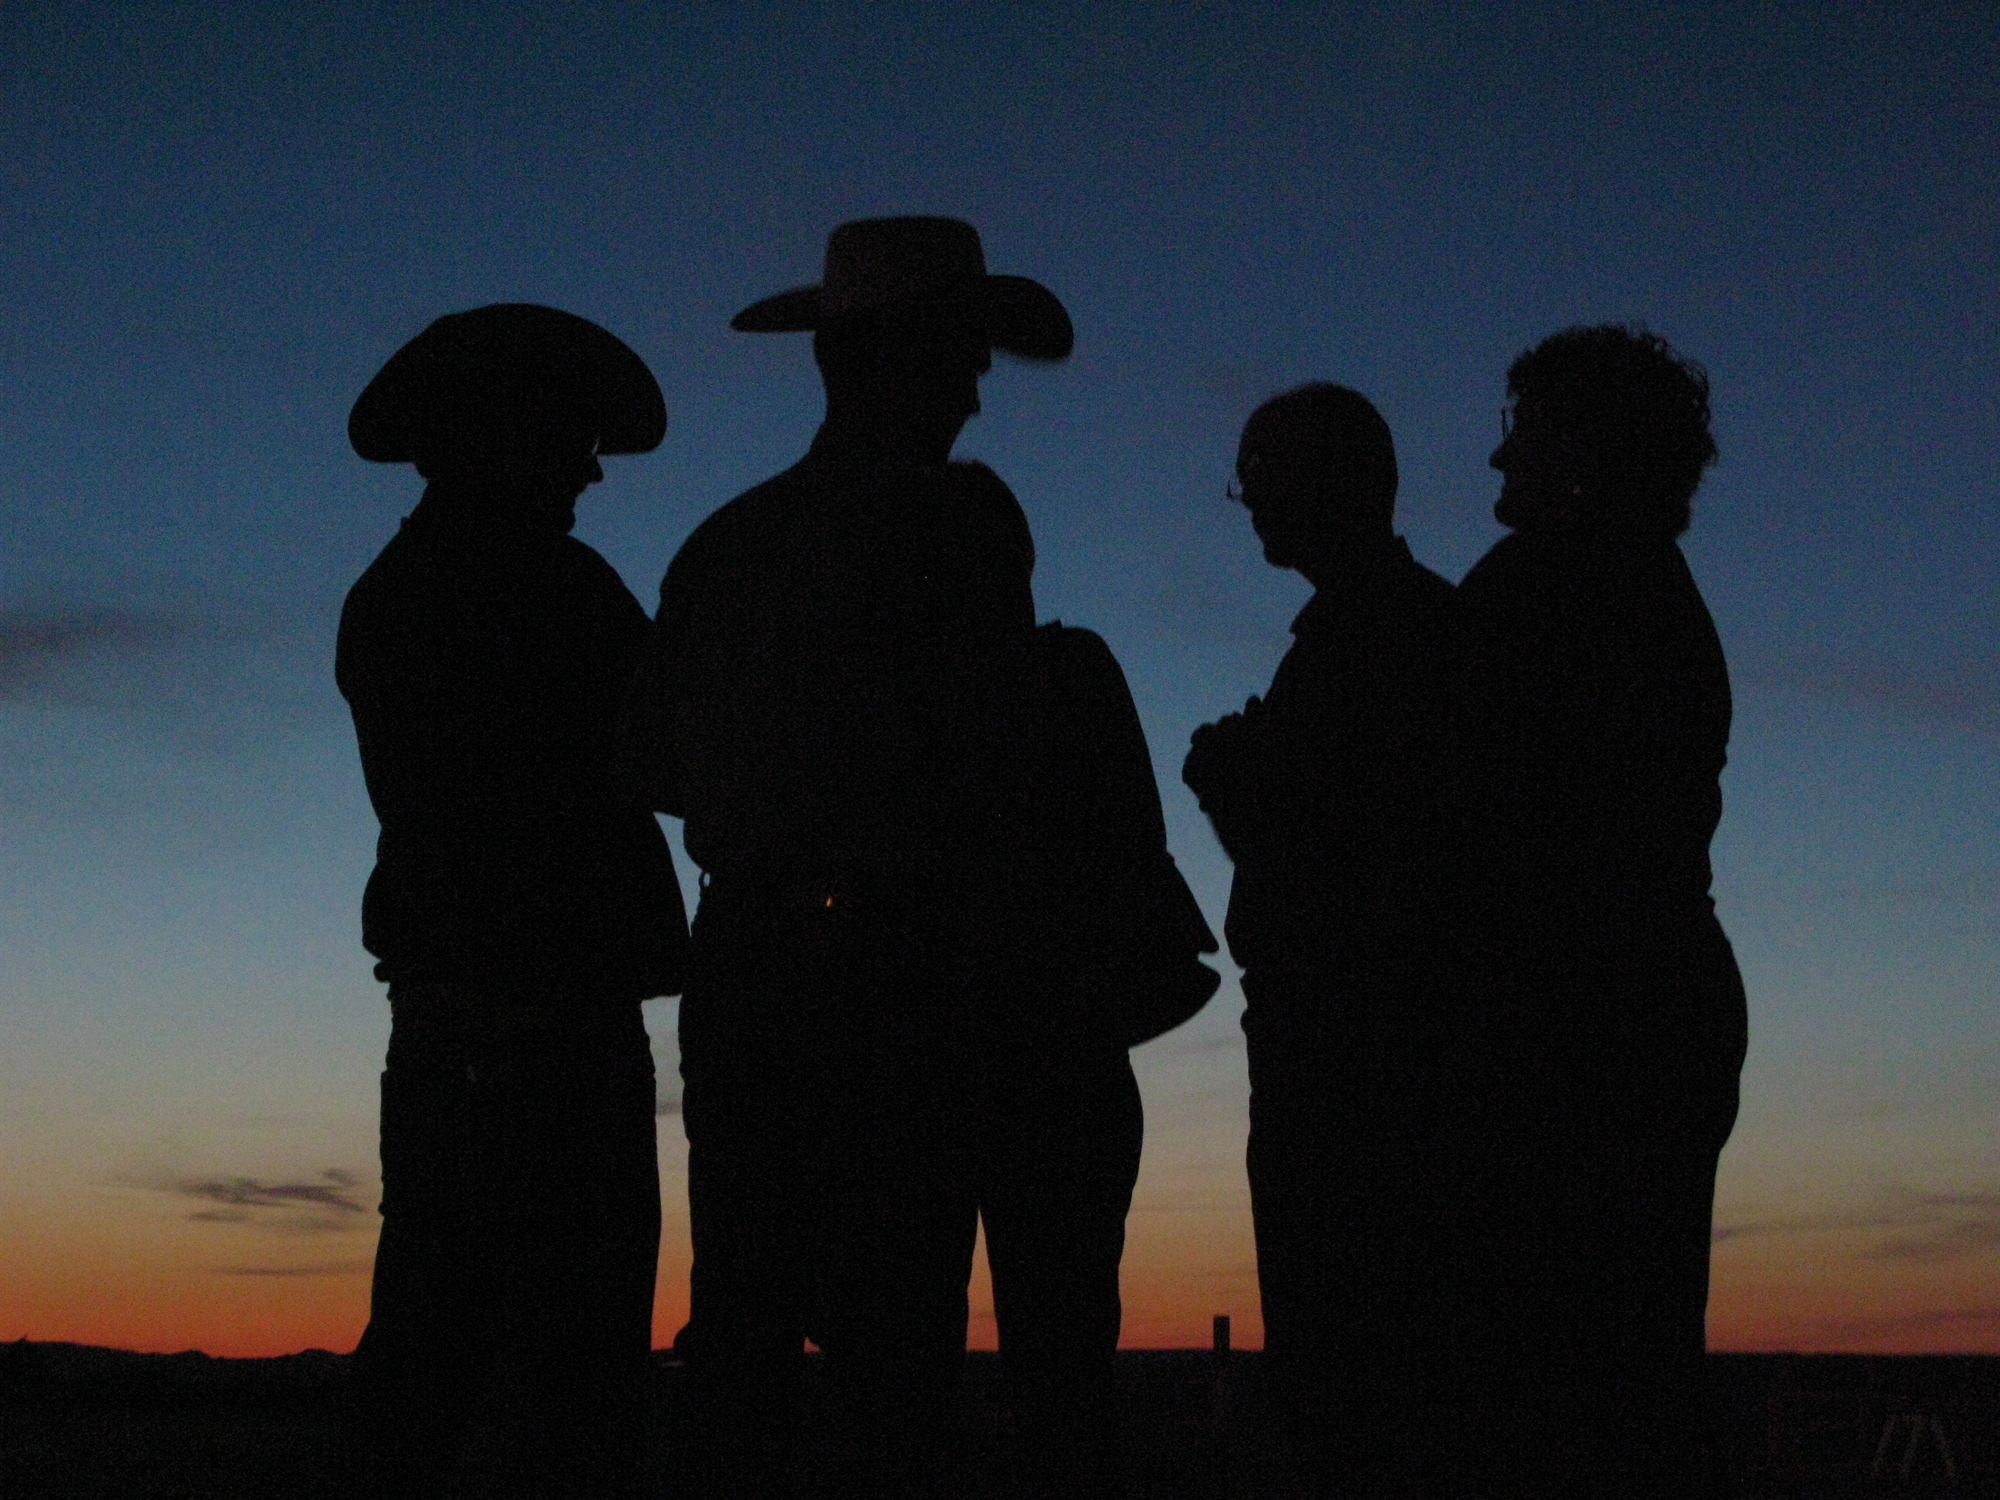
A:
[(470, 376), (886, 265)]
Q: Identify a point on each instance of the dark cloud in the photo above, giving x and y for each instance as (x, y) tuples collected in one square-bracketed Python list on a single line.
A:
[(36, 646), (1962, 695), (1977, 887), (1904, 1225), (666, 1104), (1947, 1226), (333, 1190), (327, 1204), (211, 672)]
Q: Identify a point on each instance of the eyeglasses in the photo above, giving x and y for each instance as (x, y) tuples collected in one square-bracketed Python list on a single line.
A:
[(1234, 490)]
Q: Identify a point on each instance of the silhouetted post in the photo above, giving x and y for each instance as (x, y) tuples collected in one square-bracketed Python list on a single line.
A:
[(1220, 1404)]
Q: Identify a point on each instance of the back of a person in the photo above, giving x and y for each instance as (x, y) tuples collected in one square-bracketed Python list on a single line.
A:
[(850, 631)]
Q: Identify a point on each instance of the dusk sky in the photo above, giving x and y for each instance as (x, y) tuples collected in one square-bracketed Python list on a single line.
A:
[(217, 223)]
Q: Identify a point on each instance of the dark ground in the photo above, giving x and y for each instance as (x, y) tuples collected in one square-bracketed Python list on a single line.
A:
[(84, 1422)]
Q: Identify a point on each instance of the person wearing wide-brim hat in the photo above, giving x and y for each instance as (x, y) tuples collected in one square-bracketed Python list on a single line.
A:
[(836, 702), (521, 907)]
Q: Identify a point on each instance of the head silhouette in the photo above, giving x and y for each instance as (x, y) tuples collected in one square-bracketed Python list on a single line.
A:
[(1317, 470), (505, 409), (908, 378), (905, 321), (1607, 432), (524, 481)]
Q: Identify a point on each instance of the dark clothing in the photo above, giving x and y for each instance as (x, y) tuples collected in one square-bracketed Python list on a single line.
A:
[(1343, 1201), (837, 669), (521, 907), (860, 1092), (833, 1040), (1336, 779), (1056, 1180), (1105, 956), (1336, 792), (485, 685), (510, 1323), (835, 701), (883, 1043), (1110, 933), (1603, 1016), (857, 1099)]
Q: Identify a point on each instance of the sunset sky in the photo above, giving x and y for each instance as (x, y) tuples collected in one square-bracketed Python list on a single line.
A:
[(217, 222)]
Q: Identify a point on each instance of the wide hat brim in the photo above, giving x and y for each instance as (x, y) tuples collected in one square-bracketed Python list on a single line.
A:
[(470, 376), (1018, 314)]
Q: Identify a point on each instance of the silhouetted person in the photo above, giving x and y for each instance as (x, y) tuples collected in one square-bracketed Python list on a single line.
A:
[(1321, 792), (1104, 958), (836, 704), (1605, 1015), (521, 908)]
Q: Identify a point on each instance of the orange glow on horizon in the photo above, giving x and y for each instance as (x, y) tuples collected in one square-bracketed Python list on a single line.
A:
[(121, 1274)]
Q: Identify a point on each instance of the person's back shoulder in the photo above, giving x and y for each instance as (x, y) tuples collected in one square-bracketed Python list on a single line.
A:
[(739, 537), (1424, 587), (1419, 596), (1517, 564), (586, 567), (991, 507)]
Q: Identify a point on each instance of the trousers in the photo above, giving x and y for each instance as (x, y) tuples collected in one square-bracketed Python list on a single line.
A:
[(862, 1085), (1347, 1253), (509, 1336)]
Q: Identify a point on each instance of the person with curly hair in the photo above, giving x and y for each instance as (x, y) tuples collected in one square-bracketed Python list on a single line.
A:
[(1603, 1015)]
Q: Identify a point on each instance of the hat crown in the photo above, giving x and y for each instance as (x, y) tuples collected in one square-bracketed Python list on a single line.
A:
[(472, 377), (873, 263)]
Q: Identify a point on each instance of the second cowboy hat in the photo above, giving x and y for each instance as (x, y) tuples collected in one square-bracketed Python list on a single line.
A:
[(468, 376), (882, 265)]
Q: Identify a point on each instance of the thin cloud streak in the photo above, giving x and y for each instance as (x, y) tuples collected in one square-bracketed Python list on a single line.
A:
[(327, 1204), (333, 1191), (1845, 1332), (1917, 1226)]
